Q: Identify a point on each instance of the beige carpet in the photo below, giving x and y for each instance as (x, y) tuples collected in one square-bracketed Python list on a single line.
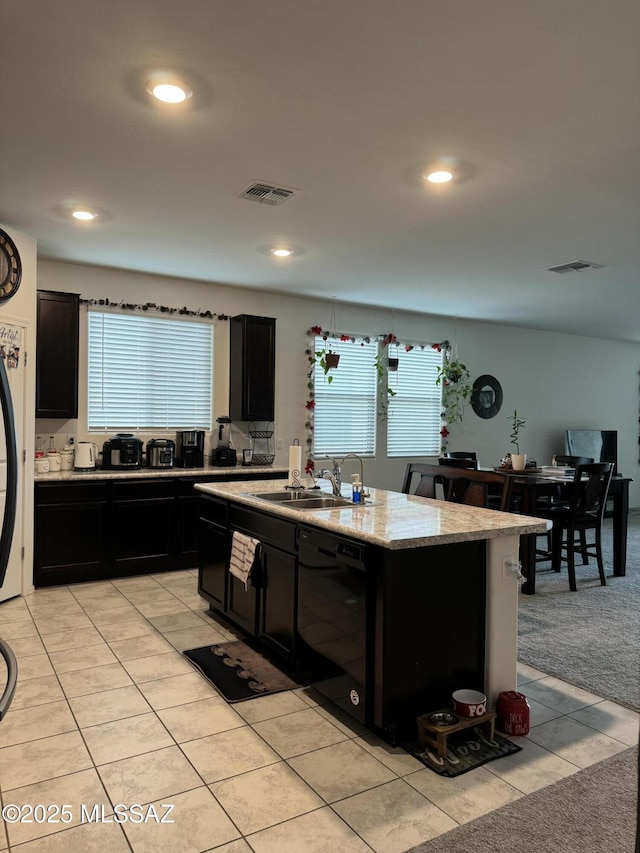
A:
[(591, 637), (593, 811)]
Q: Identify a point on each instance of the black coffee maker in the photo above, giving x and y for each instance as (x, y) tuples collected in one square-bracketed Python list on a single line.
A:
[(190, 448)]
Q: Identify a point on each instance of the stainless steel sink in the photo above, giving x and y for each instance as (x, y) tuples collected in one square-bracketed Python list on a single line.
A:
[(325, 502), (289, 495), (303, 499)]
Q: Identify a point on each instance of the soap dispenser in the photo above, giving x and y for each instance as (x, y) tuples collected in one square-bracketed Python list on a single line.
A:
[(356, 489)]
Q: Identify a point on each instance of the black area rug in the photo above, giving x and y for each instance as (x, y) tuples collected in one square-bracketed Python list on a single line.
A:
[(239, 672), (466, 750)]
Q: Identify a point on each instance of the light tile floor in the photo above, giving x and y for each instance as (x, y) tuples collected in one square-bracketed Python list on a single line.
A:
[(108, 712)]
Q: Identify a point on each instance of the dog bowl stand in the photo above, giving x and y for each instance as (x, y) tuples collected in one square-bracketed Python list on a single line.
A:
[(435, 736)]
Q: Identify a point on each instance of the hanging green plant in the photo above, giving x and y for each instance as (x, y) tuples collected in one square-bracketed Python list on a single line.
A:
[(455, 380), (328, 360), (385, 391), (325, 356)]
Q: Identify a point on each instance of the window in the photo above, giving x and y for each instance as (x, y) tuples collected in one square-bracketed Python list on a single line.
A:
[(345, 410), (149, 372), (414, 423)]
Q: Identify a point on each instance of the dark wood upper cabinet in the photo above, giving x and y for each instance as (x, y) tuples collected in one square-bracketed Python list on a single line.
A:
[(57, 354), (252, 373)]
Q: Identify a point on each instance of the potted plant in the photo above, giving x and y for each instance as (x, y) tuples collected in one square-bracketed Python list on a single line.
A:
[(518, 460), (325, 357), (385, 391), (328, 360), (455, 380)]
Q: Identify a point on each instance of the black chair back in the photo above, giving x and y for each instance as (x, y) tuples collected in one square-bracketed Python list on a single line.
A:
[(468, 464), (460, 454), (428, 475), (572, 461), (489, 489), (590, 489)]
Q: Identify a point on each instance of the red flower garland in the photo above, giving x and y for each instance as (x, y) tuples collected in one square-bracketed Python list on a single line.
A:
[(386, 340)]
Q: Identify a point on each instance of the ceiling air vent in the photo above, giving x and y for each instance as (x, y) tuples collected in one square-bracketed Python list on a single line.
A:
[(266, 193), (575, 266)]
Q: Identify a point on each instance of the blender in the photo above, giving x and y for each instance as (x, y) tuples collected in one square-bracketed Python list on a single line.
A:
[(223, 454)]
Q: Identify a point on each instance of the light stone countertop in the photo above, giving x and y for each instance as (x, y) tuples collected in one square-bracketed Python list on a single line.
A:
[(241, 471), (389, 519)]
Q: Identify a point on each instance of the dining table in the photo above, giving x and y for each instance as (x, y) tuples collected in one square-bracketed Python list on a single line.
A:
[(530, 486)]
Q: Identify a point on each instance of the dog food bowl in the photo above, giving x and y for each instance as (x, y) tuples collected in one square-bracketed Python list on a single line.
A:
[(469, 703), (443, 718)]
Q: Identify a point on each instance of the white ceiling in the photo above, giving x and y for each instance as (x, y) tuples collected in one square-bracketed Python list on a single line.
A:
[(346, 101)]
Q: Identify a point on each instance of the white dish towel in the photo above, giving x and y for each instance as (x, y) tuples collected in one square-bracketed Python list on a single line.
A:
[(244, 551)]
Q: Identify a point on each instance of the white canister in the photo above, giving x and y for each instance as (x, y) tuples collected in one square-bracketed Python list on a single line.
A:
[(42, 465), (66, 460), (55, 461)]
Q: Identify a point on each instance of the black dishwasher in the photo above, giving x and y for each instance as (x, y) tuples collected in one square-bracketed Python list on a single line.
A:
[(332, 618)]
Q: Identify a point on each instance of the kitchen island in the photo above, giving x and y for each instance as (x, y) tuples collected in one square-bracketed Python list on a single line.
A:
[(386, 607)]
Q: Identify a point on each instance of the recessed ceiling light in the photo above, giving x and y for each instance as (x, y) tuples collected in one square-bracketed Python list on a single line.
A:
[(439, 176), (282, 253), (83, 215), (169, 92)]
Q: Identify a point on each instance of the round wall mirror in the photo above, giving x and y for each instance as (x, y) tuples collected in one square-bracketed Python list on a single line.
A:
[(486, 396)]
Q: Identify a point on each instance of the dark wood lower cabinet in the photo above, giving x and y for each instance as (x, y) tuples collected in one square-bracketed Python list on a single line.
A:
[(72, 543), (242, 605), (143, 525), (266, 608), (212, 577), (97, 529)]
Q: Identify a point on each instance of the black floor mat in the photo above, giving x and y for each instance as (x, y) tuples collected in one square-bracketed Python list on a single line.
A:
[(239, 672), (465, 751)]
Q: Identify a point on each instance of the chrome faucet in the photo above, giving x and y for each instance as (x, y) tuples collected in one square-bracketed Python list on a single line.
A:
[(359, 458), (325, 474), (335, 476)]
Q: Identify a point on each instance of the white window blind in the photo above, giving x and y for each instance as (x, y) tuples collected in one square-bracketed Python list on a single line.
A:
[(345, 410), (413, 425), (149, 372)]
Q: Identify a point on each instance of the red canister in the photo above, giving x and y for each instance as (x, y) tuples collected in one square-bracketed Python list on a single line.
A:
[(513, 713)]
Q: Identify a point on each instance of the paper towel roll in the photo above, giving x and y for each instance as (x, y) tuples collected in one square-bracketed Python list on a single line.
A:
[(295, 465)]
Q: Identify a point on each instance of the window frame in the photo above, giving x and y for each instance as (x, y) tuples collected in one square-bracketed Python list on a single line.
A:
[(333, 393), (157, 414), (433, 360)]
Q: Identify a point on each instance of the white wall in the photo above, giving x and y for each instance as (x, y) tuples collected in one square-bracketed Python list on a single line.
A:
[(554, 381)]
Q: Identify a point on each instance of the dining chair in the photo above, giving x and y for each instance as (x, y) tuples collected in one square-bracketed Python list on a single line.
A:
[(584, 512), (461, 454), (489, 489), (458, 462), (561, 495), (429, 476)]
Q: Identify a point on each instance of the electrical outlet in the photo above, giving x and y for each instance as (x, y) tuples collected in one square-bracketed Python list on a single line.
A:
[(71, 440), (278, 444), (511, 568)]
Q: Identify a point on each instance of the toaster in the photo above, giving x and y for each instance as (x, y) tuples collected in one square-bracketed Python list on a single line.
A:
[(122, 451)]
